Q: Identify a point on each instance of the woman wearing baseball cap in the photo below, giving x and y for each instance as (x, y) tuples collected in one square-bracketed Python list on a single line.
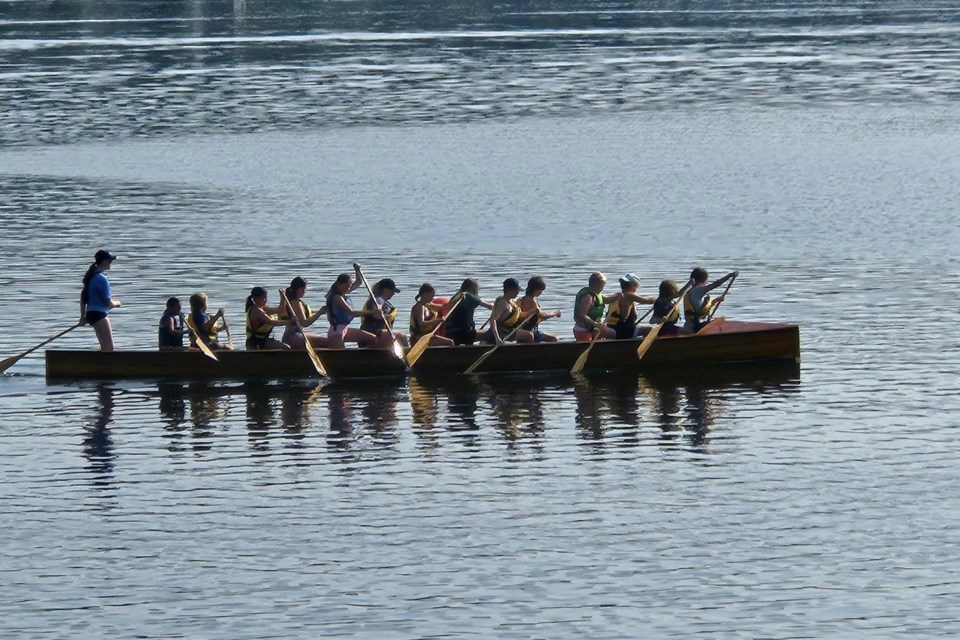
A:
[(96, 301)]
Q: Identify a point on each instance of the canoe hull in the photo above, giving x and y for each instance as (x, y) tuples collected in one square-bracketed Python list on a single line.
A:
[(728, 342)]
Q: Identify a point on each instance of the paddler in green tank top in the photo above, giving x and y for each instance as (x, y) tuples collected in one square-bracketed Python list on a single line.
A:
[(588, 311)]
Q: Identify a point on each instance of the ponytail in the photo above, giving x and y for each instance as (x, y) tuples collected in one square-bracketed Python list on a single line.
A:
[(256, 292), (84, 293)]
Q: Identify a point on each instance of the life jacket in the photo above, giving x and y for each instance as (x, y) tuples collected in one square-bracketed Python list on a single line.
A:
[(666, 309), (374, 323), (284, 314), (696, 316), (259, 334), (596, 311), (415, 330), (513, 317), (615, 318), (336, 317), (168, 338), (195, 321)]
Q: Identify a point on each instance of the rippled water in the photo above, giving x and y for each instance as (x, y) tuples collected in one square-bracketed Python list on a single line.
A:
[(218, 146)]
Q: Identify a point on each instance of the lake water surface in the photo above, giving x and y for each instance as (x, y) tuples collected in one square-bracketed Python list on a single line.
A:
[(219, 146)]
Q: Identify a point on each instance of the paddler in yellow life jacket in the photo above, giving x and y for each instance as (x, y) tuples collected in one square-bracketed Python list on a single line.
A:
[(292, 336), (530, 306), (372, 320), (697, 304), (260, 322), (205, 327), (666, 309), (588, 311), (506, 316), (622, 312), (425, 316)]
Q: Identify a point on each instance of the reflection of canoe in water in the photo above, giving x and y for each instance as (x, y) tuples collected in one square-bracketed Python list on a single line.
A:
[(725, 342)]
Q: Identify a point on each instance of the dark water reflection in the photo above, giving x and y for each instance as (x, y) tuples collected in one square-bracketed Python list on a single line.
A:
[(98, 446), (619, 410)]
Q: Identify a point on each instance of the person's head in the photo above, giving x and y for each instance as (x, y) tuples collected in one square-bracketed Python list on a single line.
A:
[(470, 286), (669, 289), (699, 275), (511, 287), (385, 288), (629, 282), (597, 281), (103, 259), (535, 286), (426, 293), (297, 288), (173, 305), (198, 302), (342, 284), (257, 297)]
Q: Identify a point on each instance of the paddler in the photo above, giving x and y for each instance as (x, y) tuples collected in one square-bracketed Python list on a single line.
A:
[(588, 311), (697, 304), (96, 301)]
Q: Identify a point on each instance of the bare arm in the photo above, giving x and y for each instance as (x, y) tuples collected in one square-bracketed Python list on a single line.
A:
[(717, 283)]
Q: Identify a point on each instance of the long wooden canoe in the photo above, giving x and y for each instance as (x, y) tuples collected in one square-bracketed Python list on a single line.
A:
[(725, 342)]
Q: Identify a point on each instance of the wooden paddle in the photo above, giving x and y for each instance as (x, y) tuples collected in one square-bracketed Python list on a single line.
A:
[(314, 358), (489, 353), (655, 331), (417, 350), (397, 349), (582, 360), (713, 309), (9, 362), (226, 327), (200, 343)]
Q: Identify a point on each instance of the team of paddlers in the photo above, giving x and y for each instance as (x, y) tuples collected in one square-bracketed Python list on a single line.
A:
[(441, 321)]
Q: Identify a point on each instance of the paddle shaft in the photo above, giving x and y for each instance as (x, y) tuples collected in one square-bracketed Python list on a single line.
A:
[(383, 317), (417, 350), (311, 352), (9, 362), (713, 309), (489, 353)]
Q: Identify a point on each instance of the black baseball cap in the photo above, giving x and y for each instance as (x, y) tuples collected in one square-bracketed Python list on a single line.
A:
[(102, 255)]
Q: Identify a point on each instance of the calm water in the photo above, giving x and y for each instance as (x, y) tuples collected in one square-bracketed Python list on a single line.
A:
[(218, 146)]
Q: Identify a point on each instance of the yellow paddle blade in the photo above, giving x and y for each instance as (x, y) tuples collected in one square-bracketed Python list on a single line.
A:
[(314, 358), (417, 350), (398, 349), (206, 350), (582, 360), (647, 341)]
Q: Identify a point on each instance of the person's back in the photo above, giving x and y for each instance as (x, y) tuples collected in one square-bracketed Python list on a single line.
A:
[(170, 332)]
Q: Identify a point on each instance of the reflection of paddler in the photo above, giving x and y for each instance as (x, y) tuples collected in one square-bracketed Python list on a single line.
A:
[(423, 404)]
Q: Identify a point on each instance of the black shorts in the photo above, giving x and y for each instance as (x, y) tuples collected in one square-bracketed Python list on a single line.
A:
[(93, 317)]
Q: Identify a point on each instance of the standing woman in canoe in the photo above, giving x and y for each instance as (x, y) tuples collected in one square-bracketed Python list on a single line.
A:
[(260, 322), (461, 327), (293, 336), (95, 299), (340, 315)]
